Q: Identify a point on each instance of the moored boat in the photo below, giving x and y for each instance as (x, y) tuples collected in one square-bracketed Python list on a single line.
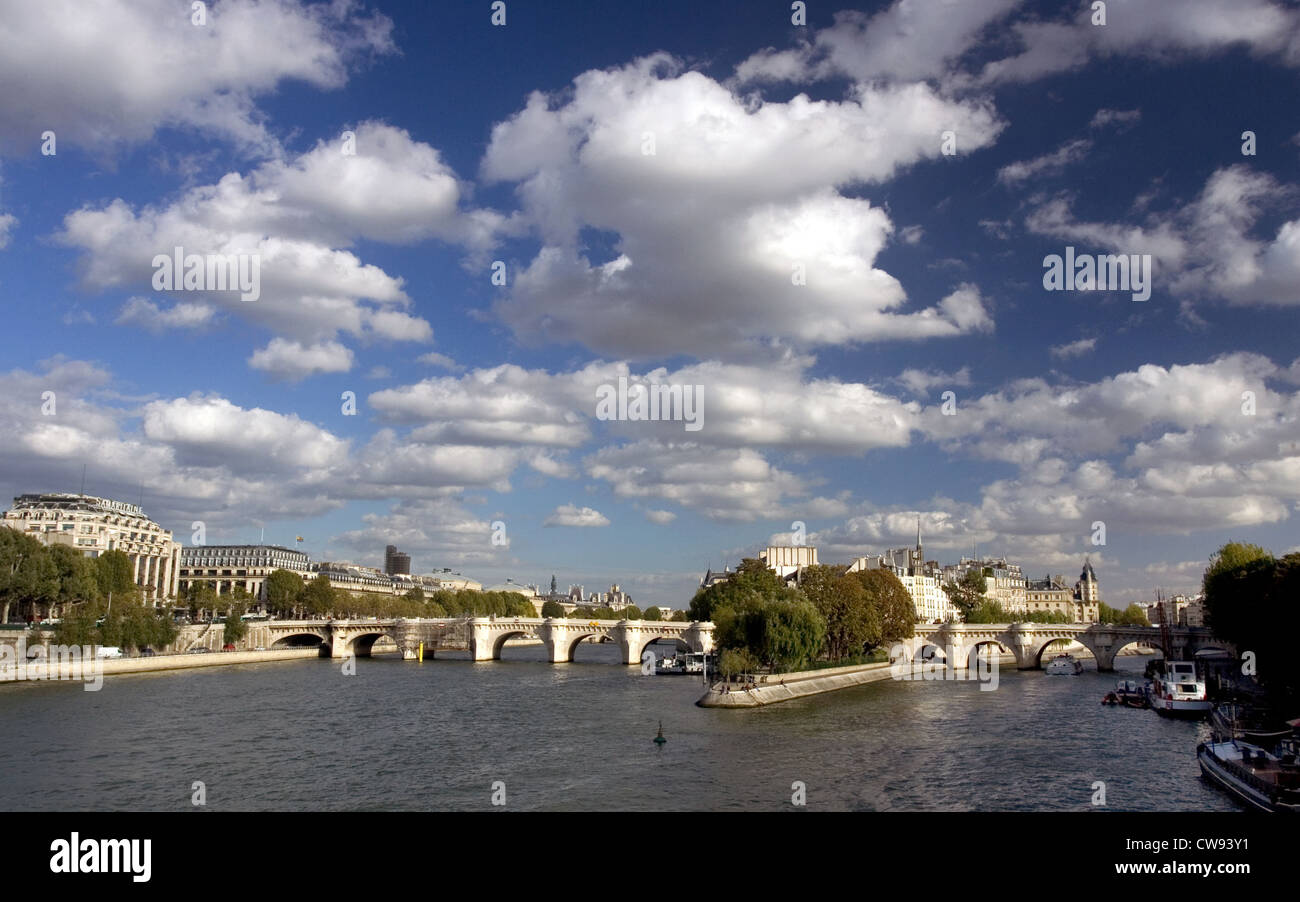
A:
[(1177, 691), (1262, 780)]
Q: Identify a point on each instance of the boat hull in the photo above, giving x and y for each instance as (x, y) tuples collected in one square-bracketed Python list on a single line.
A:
[(1251, 797)]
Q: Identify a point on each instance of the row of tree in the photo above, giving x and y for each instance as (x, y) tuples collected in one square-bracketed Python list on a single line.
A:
[(288, 596), (38, 581)]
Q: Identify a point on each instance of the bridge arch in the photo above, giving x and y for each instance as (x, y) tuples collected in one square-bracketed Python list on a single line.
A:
[(970, 652), (363, 645), (642, 640), (500, 639), (298, 640)]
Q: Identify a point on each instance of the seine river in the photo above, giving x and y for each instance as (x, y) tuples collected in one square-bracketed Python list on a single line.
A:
[(300, 735)]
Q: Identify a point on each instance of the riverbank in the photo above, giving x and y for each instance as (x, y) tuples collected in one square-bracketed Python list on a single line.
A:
[(75, 670), (804, 683)]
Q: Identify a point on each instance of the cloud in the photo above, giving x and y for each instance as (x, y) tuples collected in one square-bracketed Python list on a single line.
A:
[(919, 382), (7, 223), (438, 531), (570, 515), (907, 41), (292, 360), (1074, 348), (661, 518), (1161, 30), (1048, 164), (112, 73), (1122, 119), (296, 220), (152, 318), (1205, 248), (715, 230)]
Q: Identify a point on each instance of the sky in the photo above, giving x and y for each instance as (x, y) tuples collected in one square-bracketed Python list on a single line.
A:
[(828, 224)]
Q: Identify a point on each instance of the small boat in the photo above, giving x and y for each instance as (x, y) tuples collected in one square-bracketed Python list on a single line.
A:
[(1127, 693), (1179, 692), (1063, 665), (660, 740), (1261, 780)]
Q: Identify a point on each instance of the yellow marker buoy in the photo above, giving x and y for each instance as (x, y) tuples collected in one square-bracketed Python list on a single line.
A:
[(420, 653)]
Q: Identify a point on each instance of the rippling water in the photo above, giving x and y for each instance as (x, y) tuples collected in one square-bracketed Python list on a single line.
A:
[(400, 735)]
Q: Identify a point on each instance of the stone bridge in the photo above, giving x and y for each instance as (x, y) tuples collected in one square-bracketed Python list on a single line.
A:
[(483, 636), (1027, 641)]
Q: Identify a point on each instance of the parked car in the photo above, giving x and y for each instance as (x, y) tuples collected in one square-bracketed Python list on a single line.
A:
[(199, 651), (229, 646), (147, 652), (108, 651)]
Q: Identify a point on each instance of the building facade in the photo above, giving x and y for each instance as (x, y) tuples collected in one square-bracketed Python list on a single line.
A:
[(922, 579), (1005, 581), (788, 559), (227, 567), (95, 525)]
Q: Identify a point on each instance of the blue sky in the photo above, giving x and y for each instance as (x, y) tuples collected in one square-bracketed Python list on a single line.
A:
[(774, 146)]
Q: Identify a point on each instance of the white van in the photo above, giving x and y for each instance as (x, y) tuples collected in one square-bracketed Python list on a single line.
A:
[(108, 651)]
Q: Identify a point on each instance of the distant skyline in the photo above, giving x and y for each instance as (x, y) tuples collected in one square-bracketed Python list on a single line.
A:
[(832, 236)]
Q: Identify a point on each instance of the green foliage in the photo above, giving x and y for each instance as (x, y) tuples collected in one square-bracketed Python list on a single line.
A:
[(891, 602), (28, 575), (235, 628), (552, 609), (631, 612), (733, 661), (968, 592), (1250, 601), (114, 573), (283, 587), (681, 617), (652, 613), (1130, 616), (852, 623), (318, 596)]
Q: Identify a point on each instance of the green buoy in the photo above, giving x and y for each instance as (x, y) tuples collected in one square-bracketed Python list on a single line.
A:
[(659, 740)]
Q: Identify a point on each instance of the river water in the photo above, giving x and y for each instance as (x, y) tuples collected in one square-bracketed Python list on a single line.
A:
[(302, 735)]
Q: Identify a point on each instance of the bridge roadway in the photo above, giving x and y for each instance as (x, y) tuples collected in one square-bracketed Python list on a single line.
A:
[(1027, 641), (483, 636)]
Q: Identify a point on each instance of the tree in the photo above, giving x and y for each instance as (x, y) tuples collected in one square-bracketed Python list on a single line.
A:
[(1250, 600), (892, 603), (841, 599), (114, 573), (734, 661), (76, 575), (283, 587), (967, 592), (652, 613), (28, 577), (318, 596), (631, 612), (552, 609), (680, 617), (235, 627)]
